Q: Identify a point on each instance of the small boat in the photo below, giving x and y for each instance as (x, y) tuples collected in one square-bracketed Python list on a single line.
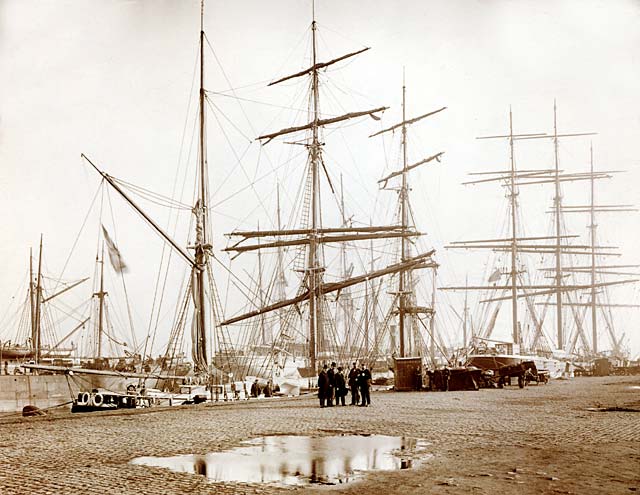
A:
[(97, 400), (101, 400)]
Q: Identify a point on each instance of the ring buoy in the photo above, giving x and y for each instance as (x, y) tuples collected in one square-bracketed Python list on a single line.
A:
[(131, 389), (97, 400), (83, 399)]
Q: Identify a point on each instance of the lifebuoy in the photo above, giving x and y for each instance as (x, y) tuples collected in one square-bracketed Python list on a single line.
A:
[(97, 400), (83, 399)]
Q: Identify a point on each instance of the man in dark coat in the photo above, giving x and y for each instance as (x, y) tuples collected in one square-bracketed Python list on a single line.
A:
[(364, 382), (353, 384), (331, 375), (323, 385), (255, 388), (340, 388), (446, 374), (268, 389)]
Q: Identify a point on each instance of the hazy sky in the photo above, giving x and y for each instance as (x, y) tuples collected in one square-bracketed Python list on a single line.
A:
[(113, 79)]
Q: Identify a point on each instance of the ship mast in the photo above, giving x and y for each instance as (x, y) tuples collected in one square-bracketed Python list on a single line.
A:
[(403, 223), (36, 307), (32, 301), (315, 318), (201, 246), (561, 248), (100, 295), (345, 298), (558, 205), (280, 276), (514, 236), (404, 282), (263, 328), (593, 269), (465, 316), (199, 261), (592, 232)]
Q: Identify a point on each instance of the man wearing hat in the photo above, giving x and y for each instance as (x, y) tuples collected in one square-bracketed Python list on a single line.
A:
[(364, 382), (323, 386), (353, 384), (331, 375)]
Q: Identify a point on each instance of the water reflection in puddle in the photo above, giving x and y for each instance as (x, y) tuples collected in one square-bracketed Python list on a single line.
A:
[(296, 460)]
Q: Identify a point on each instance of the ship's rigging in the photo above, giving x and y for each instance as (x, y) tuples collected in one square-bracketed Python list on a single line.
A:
[(406, 308), (564, 288), (312, 236), (201, 289)]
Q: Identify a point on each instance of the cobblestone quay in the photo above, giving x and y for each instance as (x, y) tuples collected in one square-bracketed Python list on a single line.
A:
[(542, 439)]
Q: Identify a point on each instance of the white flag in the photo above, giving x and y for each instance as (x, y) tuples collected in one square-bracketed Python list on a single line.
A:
[(114, 255)]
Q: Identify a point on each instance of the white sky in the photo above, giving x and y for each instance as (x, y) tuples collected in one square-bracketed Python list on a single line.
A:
[(112, 79)]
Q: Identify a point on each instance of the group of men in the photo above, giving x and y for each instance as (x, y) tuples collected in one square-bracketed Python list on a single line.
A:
[(256, 389), (332, 385)]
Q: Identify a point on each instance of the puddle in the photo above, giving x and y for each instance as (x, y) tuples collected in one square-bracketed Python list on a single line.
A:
[(298, 460)]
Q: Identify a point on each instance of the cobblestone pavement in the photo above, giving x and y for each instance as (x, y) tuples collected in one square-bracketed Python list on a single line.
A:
[(542, 439)]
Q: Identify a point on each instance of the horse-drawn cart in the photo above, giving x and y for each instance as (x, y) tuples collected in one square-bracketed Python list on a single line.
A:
[(526, 372)]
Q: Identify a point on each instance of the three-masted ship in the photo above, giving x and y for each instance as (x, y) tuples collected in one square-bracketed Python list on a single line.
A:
[(530, 340)]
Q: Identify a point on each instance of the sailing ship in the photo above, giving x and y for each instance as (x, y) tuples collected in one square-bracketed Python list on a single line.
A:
[(48, 366), (28, 343), (415, 337), (306, 328), (200, 298), (167, 373), (554, 355), (37, 325)]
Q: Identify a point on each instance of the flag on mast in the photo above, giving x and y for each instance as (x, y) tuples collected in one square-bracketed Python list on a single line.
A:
[(114, 255)]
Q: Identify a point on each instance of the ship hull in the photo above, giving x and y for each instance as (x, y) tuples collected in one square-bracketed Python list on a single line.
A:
[(13, 353), (493, 361), (43, 391), (53, 390)]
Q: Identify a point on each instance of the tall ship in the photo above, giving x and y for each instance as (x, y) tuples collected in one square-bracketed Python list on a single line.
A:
[(96, 364), (534, 273), (316, 321)]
